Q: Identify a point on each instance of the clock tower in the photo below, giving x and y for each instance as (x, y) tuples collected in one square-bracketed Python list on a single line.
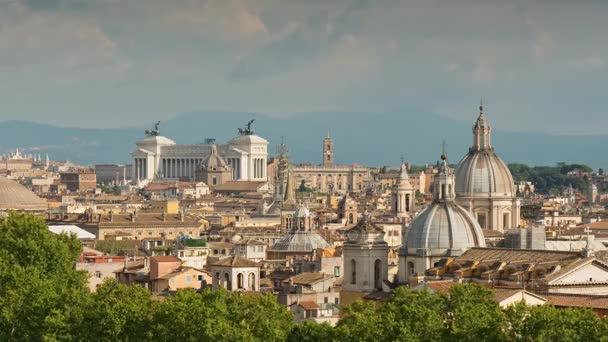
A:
[(328, 151)]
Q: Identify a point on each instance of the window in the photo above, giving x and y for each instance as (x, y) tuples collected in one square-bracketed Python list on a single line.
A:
[(214, 180), (326, 300), (328, 157), (353, 275), (98, 274), (481, 218), (188, 278), (378, 274), (337, 301), (200, 277), (336, 271), (240, 281)]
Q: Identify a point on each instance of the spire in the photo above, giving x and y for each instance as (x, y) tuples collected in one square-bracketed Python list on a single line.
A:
[(444, 180), (290, 196), (481, 132)]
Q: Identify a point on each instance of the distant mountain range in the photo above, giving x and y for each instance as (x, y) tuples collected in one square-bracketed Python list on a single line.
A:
[(363, 138)]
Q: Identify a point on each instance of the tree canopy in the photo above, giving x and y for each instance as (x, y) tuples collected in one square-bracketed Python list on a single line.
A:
[(43, 298), (551, 179)]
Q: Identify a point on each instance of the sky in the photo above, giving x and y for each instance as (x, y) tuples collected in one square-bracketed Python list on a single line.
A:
[(539, 65)]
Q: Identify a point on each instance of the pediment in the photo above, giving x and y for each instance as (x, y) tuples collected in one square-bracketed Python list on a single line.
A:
[(591, 272)]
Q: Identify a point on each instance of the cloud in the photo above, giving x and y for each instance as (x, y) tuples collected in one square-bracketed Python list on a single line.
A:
[(590, 62), (60, 46)]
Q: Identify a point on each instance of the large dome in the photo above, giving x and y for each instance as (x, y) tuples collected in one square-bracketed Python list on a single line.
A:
[(444, 228), (14, 196), (482, 173)]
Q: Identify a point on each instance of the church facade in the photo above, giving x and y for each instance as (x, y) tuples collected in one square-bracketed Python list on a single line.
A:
[(158, 157)]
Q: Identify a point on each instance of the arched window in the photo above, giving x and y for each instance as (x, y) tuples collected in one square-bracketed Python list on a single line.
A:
[(378, 274), (350, 218), (240, 280), (218, 281), (505, 221), (252, 284), (227, 284), (407, 202), (353, 275)]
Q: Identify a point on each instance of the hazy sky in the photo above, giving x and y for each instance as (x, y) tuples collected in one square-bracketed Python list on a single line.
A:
[(539, 64)]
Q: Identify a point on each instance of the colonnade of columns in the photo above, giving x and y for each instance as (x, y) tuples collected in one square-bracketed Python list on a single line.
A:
[(179, 167)]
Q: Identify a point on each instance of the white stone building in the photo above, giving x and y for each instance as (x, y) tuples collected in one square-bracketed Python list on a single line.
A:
[(158, 157), (365, 260), (235, 273)]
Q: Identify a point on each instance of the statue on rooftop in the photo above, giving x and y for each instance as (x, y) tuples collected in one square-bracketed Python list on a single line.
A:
[(154, 132), (247, 130)]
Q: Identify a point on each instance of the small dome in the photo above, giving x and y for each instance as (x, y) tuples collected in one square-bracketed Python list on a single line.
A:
[(14, 196), (483, 173), (365, 232), (300, 241), (302, 211), (444, 228), (213, 161)]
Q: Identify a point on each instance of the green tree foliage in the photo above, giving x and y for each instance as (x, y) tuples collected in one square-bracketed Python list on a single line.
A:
[(118, 312), (474, 314), (547, 324), (310, 331), (114, 247), (362, 321), (42, 298), (221, 316), (551, 179), (37, 277), (414, 316)]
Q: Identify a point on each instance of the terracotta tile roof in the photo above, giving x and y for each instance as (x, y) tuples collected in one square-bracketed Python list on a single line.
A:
[(309, 305), (235, 261), (594, 225), (442, 287), (165, 259), (517, 255), (503, 293), (250, 242), (240, 186), (309, 278), (492, 233), (577, 301)]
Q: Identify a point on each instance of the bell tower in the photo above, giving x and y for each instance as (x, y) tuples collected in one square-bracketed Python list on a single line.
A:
[(403, 195), (328, 151)]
